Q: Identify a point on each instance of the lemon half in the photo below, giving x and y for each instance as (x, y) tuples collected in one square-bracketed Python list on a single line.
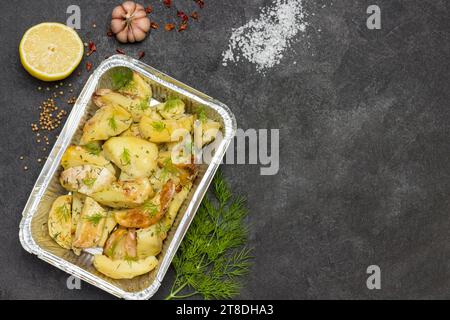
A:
[(51, 51)]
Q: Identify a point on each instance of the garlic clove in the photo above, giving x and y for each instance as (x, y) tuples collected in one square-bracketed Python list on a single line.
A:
[(117, 25), (122, 36), (118, 12), (142, 24), (130, 7), (139, 35), (130, 35)]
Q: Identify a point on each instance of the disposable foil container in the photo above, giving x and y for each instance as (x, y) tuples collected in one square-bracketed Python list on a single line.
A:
[(33, 232)]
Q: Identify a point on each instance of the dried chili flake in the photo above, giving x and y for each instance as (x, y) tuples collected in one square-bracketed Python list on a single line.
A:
[(154, 25), (194, 15), (182, 15), (183, 27), (92, 48), (110, 33), (141, 54), (148, 9), (120, 51), (167, 3), (169, 26), (200, 3), (88, 66)]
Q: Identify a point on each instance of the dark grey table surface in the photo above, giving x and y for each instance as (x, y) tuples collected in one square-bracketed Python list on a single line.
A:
[(364, 144)]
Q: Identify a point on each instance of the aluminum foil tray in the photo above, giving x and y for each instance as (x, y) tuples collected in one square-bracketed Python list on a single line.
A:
[(33, 232)]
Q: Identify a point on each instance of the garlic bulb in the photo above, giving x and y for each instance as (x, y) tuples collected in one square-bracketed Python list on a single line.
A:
[(130, 22)]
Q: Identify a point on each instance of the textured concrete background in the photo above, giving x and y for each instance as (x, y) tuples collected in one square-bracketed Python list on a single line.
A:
[(364, 119)]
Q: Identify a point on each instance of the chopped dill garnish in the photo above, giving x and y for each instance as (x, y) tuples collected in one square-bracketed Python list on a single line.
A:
[(150, 209), (63, 213), (95, 218), (129, 259), (158, 126), (168, 169), (93, 148), (143, 105), (112, 123), (121, 77), (201, 115), (89, 181), (213, 255), (172, 103), (125, 157)]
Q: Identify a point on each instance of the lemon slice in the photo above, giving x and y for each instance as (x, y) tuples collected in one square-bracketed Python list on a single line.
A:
[(51, 51)]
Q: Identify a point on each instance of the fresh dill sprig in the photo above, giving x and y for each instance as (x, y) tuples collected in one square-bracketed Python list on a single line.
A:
[(89, 181), (213, 255), (158, 125), (150, 209), (63, 213), (143, 104), (201, 115), (112, 123), (93, 148), (94, 219), (121, 77), (125, 157)]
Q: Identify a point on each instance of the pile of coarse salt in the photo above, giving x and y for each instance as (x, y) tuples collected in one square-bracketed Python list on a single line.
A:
[(263, 41)]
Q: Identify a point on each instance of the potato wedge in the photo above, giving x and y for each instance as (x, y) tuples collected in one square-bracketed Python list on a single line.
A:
[(136, 157), (86, 179), (161, 131), (90, 226), (121, 245), (125, 194), (137, 87), (178, 200), (206, 130), (149, 241), (77, 206), (107, 122), (136, 106), (132, 131), (171, 109), (110, 224), (149, 213), (124, 269), (77, 156), (60, 221)]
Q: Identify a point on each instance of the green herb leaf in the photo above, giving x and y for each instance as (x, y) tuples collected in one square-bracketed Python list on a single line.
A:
[(95, 218), (213, 255), (63, 213), (125, 157), (150, 208), (112, 123), (121, 77), (158, 126), (201, 115), (144, 105), (172, 103), (93, 148), (89, 182)]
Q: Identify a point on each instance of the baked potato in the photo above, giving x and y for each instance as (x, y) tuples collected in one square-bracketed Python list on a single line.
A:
[(173, 108), (77, 156), (107, 122), (90, 226), (149, 241), (149, 213), (136, 106), (136, 157), (124, 269), (162, 131), (125, 194), (60, 221), (86, 179), (110, 224)]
